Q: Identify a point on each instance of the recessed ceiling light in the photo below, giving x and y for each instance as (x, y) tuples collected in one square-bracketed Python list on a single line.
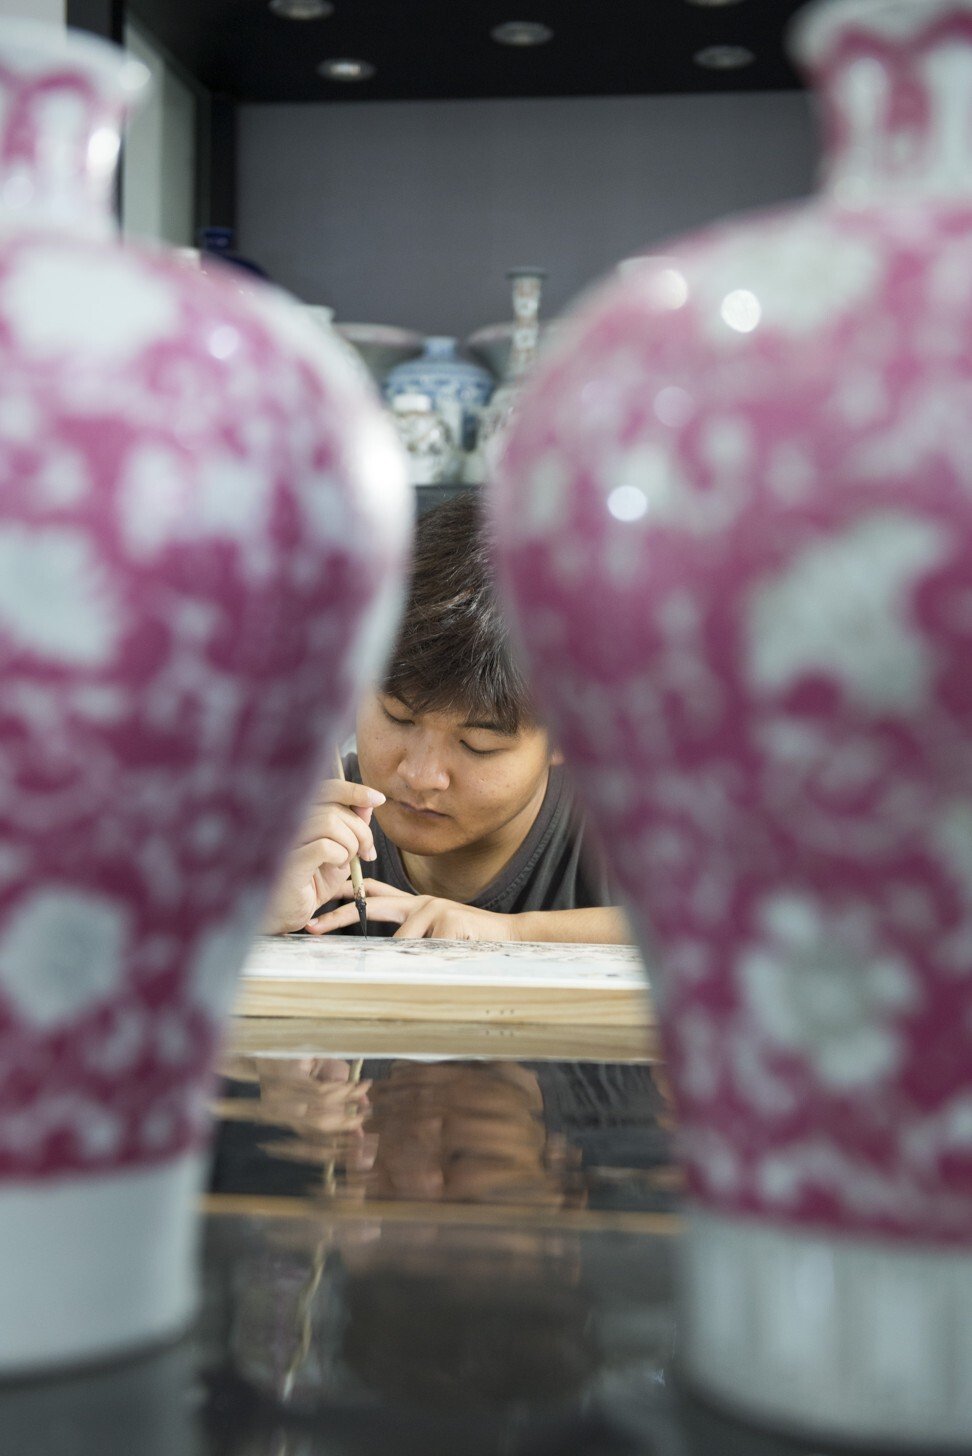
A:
[(724, 57), (521, 33), (346, 69), (711, 4), (302, 9)]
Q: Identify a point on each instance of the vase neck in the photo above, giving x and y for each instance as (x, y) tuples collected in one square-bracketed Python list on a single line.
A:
[(63, 98), (526, 320), (895, 81), (441, 346)]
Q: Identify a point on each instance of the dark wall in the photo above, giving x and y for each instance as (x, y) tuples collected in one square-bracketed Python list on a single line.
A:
[(410, 212)]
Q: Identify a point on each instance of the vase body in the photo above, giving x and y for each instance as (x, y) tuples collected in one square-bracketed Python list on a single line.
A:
[(457, 388), (736, 521), (203, 516)]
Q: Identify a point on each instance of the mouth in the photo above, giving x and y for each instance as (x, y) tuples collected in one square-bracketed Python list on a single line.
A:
[(418, 811)]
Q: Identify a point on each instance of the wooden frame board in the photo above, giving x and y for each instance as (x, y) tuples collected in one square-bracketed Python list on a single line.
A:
[(503, 984), (349, 1038)]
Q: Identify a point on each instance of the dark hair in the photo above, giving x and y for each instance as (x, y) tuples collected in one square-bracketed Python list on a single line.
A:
[(453, 652)]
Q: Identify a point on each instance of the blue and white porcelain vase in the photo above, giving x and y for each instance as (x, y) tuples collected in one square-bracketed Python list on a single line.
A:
[(457, 388)]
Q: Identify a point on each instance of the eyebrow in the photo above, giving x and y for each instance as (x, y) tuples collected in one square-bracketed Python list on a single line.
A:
[(489, 728)]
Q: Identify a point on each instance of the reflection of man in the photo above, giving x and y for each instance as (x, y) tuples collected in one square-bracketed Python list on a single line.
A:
[(317, 1101), (460, 808), (465, 1132), (314, 1095), (550, 1134), (467, 1319), (491, 1319)]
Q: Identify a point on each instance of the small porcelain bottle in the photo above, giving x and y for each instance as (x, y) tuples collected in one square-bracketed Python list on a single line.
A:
[(430, 446), (527, 284)]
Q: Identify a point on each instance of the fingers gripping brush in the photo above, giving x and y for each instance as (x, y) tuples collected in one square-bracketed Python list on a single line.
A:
[(357, 879)]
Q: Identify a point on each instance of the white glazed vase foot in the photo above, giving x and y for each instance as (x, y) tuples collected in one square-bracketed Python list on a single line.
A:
[(104, 1265), (869, 1340)]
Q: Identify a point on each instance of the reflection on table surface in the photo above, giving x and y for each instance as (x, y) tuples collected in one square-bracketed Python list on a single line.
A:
[(536, 1135), (416, 1256), (419, 1336)]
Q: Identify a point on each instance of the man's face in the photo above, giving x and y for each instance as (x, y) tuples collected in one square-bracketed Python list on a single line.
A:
[(448, 783), (460, 1133)]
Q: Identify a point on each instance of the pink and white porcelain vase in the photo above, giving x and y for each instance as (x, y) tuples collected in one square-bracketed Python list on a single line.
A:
[(203, 518), (736, 523)]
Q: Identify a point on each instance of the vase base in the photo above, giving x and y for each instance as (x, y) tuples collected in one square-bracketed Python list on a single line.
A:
[(856, 1339), (97, 1267)]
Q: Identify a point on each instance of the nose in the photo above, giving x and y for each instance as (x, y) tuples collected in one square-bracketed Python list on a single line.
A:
[(422, 768)]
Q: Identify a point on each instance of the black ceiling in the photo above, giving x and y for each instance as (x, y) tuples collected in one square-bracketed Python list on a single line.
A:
[(441, 49)]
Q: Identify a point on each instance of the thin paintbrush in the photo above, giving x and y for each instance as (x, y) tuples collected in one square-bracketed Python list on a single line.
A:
[(357, 879)]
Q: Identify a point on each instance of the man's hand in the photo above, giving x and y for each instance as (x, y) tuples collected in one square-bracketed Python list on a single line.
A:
[(418, 917), (316, 870), (313, 1095)]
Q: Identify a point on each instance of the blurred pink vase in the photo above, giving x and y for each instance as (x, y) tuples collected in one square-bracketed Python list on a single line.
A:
[(203, 524), (735, 519)]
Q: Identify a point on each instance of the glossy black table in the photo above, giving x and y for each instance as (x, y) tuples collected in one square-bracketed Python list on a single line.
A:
[(416, 1257)]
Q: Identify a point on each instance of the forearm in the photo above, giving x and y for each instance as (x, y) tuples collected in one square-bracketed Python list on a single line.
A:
[(597, 925)]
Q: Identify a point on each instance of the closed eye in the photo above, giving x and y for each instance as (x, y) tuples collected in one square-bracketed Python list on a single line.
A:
[(479, 752), (392, 719)]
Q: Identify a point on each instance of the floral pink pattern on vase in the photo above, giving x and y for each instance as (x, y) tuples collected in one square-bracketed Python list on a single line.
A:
[(203, 521), (735, 516)]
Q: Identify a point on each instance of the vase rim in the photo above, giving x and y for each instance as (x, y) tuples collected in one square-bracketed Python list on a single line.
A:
[(37, 44), (812, 32)]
